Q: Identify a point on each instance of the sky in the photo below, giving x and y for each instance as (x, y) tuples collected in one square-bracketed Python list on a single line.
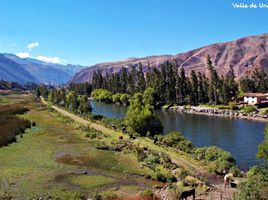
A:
[(87, 32)]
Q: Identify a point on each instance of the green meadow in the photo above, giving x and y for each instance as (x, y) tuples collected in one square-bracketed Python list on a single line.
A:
[(54, 159)]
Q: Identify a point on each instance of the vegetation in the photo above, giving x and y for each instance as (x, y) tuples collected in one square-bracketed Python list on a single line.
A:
[(223, 160), (263, 147), (80, 88), (12, 125), (257, 82), (176, 140), (169, 86), (256, 184), (73, 102), (50, 161), (102, 95), (248, 109), (140, 117)]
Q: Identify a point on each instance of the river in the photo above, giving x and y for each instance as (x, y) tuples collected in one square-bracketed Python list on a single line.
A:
[(238, 136)]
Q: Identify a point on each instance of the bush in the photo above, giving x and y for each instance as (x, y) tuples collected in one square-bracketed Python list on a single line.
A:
[(177, 140), (222, 159), (152, 160), (232, 105), (265, 111), (248, 109), (255, 186), (116, 98), (147, 194), (97, 117), (102, 95), (124, 99), (161, 177)]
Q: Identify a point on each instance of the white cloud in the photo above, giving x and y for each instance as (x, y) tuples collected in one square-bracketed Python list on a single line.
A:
[(32, 45), (23, 55), (55, 60)]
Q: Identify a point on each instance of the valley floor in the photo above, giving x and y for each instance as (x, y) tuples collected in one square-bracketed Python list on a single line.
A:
[(55, 159)]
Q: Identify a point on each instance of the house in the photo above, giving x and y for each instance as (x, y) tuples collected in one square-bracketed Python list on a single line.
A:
[(255, 98)]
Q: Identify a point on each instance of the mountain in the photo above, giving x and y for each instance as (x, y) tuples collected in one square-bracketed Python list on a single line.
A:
[(43, 72), (12, 71), (244, 55)]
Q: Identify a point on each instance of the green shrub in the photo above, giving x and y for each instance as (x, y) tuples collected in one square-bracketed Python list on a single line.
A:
[(97, 117), (177, 140), (232, 105), (152, 160), (222, 159), (235, 171), (248, 109), (161, 177), (147, 193), (255, 186), (116, 98), (264, 111), (102, 95), (124, 99)]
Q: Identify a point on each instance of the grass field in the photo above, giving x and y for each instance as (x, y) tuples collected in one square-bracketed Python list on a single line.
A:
[(61, 158), (53, 158)]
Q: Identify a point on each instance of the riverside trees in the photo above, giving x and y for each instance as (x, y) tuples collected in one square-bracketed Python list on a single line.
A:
[(173, 86), (140, 115), (70, 100)]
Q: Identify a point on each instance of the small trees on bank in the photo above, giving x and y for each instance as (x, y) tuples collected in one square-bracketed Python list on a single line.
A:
[(70, 100), (140, 117)]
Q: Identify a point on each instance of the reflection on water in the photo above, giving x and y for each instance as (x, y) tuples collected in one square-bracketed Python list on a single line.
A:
[(239, 136)]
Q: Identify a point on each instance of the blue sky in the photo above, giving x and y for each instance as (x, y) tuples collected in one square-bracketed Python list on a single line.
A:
[(92, 31)]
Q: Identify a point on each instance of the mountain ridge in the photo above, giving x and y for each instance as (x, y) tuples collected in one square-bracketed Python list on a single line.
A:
[(39, 71), (244, 54)]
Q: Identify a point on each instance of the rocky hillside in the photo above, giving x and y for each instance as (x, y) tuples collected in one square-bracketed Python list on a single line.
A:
[(244, 55)]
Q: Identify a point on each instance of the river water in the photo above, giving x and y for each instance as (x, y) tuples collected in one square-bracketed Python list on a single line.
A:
[(238, 136)]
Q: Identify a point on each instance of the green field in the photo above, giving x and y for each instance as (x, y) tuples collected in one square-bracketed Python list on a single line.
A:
[(54, 159)]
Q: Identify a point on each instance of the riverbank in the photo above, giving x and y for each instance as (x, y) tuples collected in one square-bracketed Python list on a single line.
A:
[(180, 159), (219, 112)]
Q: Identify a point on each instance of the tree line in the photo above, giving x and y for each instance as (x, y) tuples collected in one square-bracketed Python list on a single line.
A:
[(171, 84)]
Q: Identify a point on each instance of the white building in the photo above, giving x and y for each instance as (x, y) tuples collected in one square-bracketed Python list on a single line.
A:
[(255, 98)]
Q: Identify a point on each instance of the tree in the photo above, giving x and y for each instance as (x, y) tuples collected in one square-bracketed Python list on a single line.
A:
[(84, 107), (141, 83), (171, 83), (163, 84), (140, 117), (132, 78), (72, 101), (149, 97), (214, 85), (194, 89), (247, 85), (123, 80), (182, 86), (202, 95), (263, 147), (97, 80), (260, 79)]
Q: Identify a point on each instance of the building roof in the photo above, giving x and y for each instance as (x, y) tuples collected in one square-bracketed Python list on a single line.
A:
[(256, 95)]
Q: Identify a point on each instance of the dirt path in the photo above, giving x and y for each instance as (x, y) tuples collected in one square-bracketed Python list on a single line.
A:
[(219, 191)]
